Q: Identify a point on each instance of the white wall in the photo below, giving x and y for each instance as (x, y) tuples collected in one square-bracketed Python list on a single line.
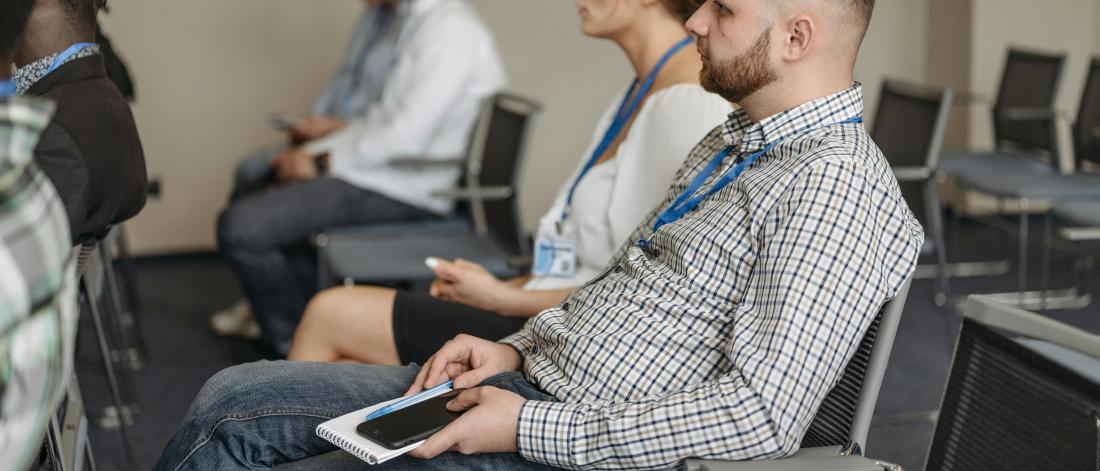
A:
[(894, 47), (209, 71), (573, 76)]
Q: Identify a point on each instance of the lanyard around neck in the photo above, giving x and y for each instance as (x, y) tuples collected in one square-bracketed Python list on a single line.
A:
[(626, 110), (65, 56), (686, 203)]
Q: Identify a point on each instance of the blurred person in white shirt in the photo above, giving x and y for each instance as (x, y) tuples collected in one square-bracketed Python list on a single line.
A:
[(410, 87)]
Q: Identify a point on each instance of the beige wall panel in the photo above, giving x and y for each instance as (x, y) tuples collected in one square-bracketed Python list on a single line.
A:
[(209, 72)]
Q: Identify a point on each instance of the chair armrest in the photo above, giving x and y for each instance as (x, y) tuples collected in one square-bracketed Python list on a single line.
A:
[(1031, 114), (485, 193), (806, 459), (912, 174), (418, 162)]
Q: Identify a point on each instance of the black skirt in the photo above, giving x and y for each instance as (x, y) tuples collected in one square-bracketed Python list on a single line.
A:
[(422, 324)]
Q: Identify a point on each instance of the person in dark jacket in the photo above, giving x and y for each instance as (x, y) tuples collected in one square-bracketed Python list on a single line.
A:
[(91, 151)]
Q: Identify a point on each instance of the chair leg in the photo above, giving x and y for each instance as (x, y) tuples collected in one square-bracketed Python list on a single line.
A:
[(123, 315), (956, 229), (1048, 242), (108, 366), (1022, 282), (935, 218), (53, 445), (129, 282)]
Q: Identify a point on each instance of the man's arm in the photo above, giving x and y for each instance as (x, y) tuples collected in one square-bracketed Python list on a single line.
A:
[(831, 258), (61, 160)]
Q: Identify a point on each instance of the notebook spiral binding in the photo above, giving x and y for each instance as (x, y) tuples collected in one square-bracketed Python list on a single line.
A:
[(347, 445)]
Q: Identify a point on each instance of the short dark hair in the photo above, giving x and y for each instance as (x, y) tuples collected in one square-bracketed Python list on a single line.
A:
[(12, 23), (683, 8), (81, 13), (863, 9)]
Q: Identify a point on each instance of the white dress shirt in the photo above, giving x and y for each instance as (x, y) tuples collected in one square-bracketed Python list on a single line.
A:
[(615, 195), (446, 65)]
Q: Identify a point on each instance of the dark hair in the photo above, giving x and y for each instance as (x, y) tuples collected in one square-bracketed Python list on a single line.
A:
[(683, 8), (864, 9), (12, 22)]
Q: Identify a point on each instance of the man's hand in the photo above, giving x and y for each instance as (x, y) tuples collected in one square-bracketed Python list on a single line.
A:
[(294, 164), (467, 360), (488, 426), (315, 127), (471, 284)]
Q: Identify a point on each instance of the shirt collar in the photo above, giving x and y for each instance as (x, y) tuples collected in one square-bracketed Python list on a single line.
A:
[(748, 136), (27, 76)]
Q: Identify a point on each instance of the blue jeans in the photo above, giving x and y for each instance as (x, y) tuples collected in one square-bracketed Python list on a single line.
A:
[(263, 233), (259, 415)]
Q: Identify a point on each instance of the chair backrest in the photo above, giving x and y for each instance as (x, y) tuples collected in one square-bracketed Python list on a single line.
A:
[(844, 417), (1086, 131), (1009, 407), (1030, 81), (496, 153), (910, 122)]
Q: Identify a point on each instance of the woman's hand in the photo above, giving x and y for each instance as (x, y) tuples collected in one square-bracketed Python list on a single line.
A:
[(471, 284)]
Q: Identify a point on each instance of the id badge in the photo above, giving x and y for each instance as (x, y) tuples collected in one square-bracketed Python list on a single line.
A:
[(556, 258)]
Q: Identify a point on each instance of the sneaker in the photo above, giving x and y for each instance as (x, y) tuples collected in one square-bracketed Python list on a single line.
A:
[(235, 321)]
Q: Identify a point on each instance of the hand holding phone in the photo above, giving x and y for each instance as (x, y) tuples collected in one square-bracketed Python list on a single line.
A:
[(412, 424), (283, 121)]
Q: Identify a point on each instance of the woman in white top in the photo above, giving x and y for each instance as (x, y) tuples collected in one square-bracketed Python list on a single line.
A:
[(637, 147)]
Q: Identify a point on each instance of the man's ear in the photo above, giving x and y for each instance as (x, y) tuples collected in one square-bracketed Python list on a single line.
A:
[(800, 32)]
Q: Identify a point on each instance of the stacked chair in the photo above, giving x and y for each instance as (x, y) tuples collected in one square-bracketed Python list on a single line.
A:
[(486, 229)]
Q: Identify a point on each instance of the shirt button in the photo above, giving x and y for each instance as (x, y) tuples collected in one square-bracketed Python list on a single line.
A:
[(565, 307), (619, 269), (656, 253)]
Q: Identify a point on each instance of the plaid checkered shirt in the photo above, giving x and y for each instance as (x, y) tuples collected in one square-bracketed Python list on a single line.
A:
[(722, 338), (37, 286)]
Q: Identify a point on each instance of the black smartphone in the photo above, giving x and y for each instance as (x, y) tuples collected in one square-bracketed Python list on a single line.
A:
[(412, 424)]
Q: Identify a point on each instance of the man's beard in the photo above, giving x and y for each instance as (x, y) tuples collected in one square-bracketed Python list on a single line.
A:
[(741, 76)]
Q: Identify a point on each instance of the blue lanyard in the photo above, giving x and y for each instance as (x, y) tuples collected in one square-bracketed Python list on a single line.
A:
[(7, 88), (685, 203), (622, 116), (381, 27), (65, 55)]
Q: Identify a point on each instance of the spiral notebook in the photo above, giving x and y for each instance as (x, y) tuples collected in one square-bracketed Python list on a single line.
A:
[(341, 432)]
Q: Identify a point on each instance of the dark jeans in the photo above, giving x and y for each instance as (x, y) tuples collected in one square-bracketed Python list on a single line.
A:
[(259, 415), (263, 232)]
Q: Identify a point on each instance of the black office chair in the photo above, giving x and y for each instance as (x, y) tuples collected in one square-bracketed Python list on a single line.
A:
[(842, 421), (909, 127), (1026, 134), (1023, 394), (491, 235)]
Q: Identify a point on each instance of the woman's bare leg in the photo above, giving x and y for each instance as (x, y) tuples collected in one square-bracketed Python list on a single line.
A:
[(347, 323)]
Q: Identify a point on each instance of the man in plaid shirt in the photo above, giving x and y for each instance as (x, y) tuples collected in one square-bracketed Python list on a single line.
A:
[(37, 281), (716, 332)]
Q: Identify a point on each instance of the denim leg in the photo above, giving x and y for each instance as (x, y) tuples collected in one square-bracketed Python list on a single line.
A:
[(264, 234), (450, 461), (254, 172), (257, 415)]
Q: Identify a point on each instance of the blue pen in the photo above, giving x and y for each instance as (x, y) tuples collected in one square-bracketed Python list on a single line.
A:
[(408, 401)]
